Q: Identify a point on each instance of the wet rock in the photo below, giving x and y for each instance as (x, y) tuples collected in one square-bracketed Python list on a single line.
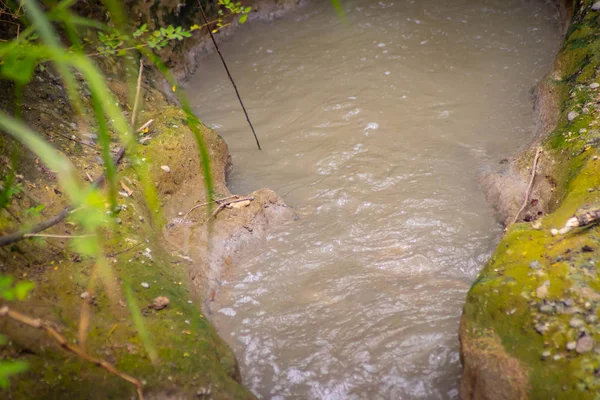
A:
[(584, 344), (572, 115)]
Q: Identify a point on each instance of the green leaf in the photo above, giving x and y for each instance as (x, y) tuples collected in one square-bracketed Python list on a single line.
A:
[(19, 67), (22, 289), (5, 282), (10, 368), (243, 18)]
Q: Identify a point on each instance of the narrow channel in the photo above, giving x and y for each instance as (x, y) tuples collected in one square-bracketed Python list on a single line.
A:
[(374, 128)]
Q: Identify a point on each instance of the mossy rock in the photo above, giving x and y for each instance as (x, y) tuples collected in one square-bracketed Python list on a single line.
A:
[(530, 323)]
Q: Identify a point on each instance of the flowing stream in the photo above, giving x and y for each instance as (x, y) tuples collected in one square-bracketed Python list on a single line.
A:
[(374, 128)]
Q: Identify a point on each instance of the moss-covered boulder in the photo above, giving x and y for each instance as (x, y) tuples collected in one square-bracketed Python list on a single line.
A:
[(530, 326)]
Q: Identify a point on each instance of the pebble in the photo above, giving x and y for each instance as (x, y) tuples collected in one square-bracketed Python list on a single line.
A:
[(595, 85), (571, 346), (542, 328), (584, 344), (591, 319), (541, 292), (546, 354), (569, 302), (576, 322), (546, 309), (145, 285), (534, 264), (160, 302), (556, 357), (167, 169), (85, 295), (572, 115), (596, 6)]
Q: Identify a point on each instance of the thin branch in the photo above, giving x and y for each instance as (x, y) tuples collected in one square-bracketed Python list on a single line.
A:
[(139, 46), (111, 255), (228, 73), (146, 125), (530, 186), (42, 226), (137, 94), (74, 140), (62, 342), (28, 235), (207, 203)]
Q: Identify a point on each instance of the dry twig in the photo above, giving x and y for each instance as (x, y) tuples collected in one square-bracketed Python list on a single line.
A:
[(530, 186), (146, 125), (218, 201), (62, 342), (28, 235), (137, 94)]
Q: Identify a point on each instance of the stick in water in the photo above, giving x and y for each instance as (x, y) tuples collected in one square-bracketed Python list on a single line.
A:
[(228, 73)]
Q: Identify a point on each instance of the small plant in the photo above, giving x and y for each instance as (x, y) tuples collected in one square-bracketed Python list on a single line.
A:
[(10, 291), (115, 43), (235, 8), (35, 211)]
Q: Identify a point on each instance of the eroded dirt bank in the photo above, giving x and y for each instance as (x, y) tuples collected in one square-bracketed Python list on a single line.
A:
[(192, 358), (530, 323)]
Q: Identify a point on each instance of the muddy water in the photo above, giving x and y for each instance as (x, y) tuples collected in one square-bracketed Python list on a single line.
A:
[(375, 130)]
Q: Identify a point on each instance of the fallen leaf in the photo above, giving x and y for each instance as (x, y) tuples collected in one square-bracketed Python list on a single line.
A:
[(126, 188), (239, 204)]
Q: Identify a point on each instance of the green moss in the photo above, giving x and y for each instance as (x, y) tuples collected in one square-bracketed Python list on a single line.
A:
[(503, 301)]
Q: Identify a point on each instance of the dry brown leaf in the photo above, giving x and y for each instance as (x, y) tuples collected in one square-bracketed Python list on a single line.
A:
[(239, 204), (126, 188)]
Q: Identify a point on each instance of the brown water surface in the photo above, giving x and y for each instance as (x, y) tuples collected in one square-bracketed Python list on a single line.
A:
[(375, 130)]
